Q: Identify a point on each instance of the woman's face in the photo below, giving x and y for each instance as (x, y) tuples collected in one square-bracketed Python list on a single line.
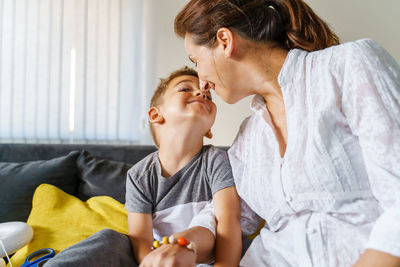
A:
[(215, 70)]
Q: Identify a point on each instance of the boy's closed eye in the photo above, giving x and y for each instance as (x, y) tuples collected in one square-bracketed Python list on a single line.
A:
[(189, 89), (185, 90)]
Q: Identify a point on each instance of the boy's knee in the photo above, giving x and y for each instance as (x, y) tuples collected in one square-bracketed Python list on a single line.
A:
[(108, 233)]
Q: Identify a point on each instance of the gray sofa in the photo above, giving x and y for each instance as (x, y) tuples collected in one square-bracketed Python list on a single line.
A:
[(81, 170)]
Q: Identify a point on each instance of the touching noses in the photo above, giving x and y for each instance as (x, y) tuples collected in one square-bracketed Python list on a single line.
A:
[(201, 93), (204, 86)]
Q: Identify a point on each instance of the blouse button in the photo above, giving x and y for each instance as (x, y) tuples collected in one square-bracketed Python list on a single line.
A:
[(289, 198), (311, 231)]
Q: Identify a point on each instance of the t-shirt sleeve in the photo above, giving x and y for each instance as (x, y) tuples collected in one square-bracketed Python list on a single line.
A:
[(137, 199), (219, 171)]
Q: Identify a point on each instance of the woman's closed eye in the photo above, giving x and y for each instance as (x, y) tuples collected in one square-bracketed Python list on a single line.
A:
[(195, 63)]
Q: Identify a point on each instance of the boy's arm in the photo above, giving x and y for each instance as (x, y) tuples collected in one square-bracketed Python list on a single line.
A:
[(204, 241), (140, 231), (229, 234), (180, 256)]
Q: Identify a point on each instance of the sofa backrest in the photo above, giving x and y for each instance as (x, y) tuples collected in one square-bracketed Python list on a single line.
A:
[(29, 152)]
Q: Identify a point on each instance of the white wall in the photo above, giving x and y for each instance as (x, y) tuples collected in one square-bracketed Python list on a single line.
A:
[(350, 19), (357, 19)]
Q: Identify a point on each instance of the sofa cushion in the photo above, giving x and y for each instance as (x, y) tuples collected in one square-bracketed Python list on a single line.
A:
[(101, 177), (60, 220), (18, 182)]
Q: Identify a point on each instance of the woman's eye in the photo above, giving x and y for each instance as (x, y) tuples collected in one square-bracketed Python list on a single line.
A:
[(184, 90)]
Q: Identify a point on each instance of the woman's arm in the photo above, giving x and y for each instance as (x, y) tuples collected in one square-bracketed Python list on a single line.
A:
[(375, 258), (140, 231), (228, 242), (371, 105), (204, 241), (227, 206), (176, 255), (229, 234)]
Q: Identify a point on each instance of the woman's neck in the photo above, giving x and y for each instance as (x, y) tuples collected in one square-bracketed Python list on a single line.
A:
[(264, 65), (267, 65)]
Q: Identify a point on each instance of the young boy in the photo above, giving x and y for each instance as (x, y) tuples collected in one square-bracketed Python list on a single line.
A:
[(168, 188)]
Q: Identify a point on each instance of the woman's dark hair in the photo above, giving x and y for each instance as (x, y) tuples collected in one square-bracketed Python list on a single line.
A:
[(288, 23)]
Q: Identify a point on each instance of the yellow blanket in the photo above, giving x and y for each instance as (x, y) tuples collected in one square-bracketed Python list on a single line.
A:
[(60, 220)]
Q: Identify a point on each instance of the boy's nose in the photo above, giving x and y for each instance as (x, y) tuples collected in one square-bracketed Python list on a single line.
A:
[(201, 93)]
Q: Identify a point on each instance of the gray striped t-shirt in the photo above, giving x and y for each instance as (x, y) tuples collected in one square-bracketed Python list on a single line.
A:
[(174, 201)]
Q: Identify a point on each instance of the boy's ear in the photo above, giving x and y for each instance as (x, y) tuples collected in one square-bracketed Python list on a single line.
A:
[(225, 40), (209, 134), (155, 115)]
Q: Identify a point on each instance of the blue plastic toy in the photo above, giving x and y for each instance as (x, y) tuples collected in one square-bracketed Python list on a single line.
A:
[(39, 257)]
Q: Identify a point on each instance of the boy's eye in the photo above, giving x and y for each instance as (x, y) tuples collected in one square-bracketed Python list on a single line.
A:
[(184, 90)]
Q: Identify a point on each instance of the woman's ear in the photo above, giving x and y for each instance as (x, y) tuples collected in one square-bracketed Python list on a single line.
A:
[(209, 134), (225, 40), (155, 115)]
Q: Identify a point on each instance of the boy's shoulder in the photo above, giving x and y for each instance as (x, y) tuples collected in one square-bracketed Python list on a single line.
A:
[(212, 153), (215, 157), (143, 166), (212, 150)]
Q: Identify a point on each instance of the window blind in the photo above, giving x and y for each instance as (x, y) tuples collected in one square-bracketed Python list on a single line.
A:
[(75, 70)]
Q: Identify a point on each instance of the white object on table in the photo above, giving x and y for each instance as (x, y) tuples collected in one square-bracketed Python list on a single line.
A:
[(14, 235)]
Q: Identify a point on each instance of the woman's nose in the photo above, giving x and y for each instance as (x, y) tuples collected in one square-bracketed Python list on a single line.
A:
[(204, 86)]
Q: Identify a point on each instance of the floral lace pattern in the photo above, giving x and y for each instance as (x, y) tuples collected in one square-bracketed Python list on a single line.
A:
[(336, 191)]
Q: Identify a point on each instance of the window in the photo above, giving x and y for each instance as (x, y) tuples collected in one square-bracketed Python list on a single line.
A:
[(73, 71)]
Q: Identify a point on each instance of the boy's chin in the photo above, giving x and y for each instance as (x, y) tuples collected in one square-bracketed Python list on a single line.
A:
[(205, 118)]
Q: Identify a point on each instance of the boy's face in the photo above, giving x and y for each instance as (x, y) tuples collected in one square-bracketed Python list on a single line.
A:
[(183, 101)]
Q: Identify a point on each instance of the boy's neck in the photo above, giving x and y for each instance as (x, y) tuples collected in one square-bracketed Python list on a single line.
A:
[(177, 149)]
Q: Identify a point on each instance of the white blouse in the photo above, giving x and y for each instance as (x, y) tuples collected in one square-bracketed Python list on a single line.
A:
[(336, 191)]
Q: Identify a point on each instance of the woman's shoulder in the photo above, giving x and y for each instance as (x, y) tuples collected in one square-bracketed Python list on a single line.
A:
[(361, 44), (357, 44), (348, 50), (362, 49), (351, 57), (365, 54)]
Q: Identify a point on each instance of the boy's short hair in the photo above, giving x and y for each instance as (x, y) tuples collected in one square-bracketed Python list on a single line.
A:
[(161, 88)]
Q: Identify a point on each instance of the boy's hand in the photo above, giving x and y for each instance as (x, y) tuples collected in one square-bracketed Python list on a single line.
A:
[(170, 255)]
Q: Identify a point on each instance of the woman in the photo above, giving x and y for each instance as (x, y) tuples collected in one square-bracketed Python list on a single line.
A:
[(319, 158)]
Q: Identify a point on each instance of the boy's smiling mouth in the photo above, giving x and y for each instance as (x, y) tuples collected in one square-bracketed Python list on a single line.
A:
[(201, 101)]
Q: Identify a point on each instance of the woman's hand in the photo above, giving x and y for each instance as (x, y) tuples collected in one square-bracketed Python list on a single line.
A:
[(170, 255), (375, 258)]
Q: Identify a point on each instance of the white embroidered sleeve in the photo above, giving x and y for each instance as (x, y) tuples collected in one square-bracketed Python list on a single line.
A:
[(205, 218), (371, 104), (249, 220)]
